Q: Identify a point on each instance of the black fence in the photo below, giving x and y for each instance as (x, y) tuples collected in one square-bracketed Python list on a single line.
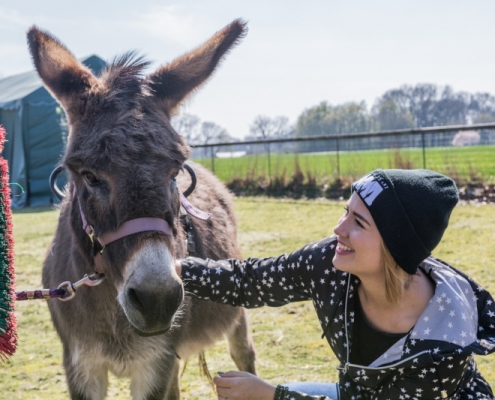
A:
[(464, 152)]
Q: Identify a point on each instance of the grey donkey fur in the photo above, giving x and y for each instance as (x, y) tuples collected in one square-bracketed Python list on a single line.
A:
[(123, 158)]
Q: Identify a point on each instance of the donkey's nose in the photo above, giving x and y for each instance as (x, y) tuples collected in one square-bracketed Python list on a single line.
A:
[(137, 299), (149, 302)]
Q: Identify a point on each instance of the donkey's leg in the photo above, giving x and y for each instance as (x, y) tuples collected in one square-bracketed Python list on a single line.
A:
[(157, 380), (173, 392), (241, 345), (86, 380)]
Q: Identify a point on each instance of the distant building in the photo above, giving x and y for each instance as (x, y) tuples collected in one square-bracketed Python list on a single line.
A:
[(230, 154), (466, 138)]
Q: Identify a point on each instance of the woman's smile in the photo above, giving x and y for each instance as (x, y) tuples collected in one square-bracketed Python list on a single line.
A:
[(343, 250)]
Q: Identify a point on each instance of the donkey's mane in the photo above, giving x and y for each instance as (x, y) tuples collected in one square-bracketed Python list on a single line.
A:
[(124, 76)]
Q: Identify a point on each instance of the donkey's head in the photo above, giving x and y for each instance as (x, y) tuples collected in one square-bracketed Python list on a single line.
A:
[(123, 157)]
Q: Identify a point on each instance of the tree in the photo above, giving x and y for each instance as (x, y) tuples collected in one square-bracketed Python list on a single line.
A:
[(211, 133), (325, 119), (482, 108), (190, 127), (417, 100), (389, 116), (427, 104), (265, 127), (187, 125)]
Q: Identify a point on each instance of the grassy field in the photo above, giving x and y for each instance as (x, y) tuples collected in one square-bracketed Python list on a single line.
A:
[(461, 163), (287, 339)]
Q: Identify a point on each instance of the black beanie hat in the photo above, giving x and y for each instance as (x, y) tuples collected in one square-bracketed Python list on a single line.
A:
[(411, 209)]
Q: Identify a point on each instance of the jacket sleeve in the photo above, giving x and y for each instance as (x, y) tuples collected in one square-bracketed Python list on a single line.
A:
[(258, 282), (302, 396)]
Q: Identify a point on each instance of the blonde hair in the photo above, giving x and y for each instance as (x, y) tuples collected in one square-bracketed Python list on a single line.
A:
[(396, 279)]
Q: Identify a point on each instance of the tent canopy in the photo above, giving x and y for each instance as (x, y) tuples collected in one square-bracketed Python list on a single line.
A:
[(18, 86), (36, 134)]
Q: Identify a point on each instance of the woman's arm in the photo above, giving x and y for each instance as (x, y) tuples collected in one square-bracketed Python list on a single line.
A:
[(258, 282), (239, 385)]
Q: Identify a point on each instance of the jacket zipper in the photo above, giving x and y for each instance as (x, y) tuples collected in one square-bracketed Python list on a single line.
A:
[(348, 364)]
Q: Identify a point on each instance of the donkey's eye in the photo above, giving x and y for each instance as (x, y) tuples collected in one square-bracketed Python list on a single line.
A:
[(174, 176), (90, 178)]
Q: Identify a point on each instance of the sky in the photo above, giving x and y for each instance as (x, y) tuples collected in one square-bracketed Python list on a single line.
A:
[(296, 54)]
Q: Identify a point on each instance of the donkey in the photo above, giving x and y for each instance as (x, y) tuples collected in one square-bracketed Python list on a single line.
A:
[(124, 160)]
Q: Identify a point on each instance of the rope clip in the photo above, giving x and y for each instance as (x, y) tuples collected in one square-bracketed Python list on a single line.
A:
[(71, 288)]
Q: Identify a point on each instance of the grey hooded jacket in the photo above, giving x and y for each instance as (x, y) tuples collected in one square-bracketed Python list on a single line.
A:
[(433, 361)]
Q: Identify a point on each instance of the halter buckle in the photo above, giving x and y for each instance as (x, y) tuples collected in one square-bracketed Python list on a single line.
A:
[(91, 234)]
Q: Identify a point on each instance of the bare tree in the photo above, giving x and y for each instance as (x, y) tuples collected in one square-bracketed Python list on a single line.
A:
[(265, 127), (211, 132), (187, 125)]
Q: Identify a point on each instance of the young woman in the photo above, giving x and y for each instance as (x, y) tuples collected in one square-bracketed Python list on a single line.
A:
[(403, 325)]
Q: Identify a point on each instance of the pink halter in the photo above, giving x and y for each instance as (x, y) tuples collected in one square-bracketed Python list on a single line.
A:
[(134, 226)]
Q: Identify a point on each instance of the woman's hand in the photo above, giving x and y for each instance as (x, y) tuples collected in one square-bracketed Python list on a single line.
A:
[(178, 267), (238, 385)]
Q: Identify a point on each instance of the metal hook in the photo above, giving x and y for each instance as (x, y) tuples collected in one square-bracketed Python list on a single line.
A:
[(71, 288), (53, 183), (192, 186)]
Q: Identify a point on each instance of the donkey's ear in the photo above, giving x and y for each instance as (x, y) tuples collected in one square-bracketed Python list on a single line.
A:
[(61, 72), (173, 82)]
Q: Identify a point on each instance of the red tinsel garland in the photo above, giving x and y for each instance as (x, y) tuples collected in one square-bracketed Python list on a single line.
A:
[(8, 339)]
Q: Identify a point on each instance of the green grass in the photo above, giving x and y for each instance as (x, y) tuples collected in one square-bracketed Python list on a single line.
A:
[(287, 339), (461, 163)]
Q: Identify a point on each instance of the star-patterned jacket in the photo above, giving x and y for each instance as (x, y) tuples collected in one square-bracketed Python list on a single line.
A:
[(433, 361)]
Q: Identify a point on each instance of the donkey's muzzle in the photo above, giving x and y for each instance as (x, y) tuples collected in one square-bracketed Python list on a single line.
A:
[(152, 310), (149, 302), (152, 293)]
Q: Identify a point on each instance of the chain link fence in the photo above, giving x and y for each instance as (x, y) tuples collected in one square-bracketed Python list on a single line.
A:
[(466, 153)]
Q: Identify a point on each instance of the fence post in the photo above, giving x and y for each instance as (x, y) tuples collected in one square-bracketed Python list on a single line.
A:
[(212, 160), (269, 165), (338, 159), (232, 172), (424, 152)]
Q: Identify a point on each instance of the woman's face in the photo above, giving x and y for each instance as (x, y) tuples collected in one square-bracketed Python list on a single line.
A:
[(359, 243)]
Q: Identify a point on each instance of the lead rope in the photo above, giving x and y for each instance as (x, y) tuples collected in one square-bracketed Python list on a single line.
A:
[(40, 294), (65, 291)]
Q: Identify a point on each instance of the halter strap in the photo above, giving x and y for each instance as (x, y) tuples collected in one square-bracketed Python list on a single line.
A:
[(125, 229), (132, 226), (195, 212)]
